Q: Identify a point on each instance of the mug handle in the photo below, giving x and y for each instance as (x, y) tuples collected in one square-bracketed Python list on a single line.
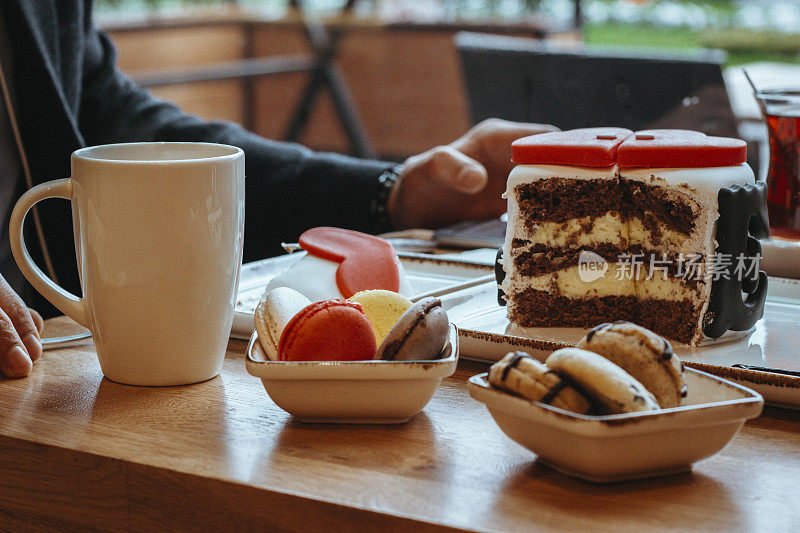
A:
[(66, 302)]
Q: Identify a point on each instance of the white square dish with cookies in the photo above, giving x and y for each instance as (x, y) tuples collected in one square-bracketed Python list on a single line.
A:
[(355, 392), (619, 447)]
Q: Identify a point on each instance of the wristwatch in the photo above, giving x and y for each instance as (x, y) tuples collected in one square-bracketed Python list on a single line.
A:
[(379, 204)]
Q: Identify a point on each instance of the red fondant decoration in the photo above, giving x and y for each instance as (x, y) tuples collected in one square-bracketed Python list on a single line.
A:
[(680, 149), (330, 330), (588, 147), (367, 262)]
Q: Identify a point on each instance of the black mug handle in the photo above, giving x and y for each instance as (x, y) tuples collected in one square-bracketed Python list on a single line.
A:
[(742, 221)]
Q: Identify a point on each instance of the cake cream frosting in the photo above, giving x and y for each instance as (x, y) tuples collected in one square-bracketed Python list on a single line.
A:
[(593, 244)]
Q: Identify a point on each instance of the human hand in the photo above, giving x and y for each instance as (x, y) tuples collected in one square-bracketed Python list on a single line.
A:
[(460, 181), (20, 334)]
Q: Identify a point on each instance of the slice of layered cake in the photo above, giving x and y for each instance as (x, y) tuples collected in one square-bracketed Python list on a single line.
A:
[(607, 225)]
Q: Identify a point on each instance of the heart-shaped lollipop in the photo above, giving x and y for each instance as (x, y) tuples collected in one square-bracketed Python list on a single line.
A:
[(365, 261)]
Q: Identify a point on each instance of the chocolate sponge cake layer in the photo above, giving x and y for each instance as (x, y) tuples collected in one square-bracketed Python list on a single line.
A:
[(538, 259), (563, 199), (533, 263), (672, 318)]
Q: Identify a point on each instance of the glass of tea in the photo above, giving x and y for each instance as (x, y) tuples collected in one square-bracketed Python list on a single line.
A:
[(782, 110)]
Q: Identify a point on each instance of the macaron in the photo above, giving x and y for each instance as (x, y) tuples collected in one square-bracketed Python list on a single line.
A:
[(521, 374), (606, 385), (331, 330), (642, 354), (419, 334), (275, 309), (383, 308)]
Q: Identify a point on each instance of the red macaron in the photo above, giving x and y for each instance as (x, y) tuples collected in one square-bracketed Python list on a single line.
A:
[(330, 330)]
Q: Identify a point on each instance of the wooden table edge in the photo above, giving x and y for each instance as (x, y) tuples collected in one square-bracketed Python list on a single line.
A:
[(138, 501)]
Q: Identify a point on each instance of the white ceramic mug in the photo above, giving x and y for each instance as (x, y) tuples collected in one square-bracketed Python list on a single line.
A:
[(159, 229)]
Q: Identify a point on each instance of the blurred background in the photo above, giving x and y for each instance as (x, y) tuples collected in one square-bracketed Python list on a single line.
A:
[(385, 77)]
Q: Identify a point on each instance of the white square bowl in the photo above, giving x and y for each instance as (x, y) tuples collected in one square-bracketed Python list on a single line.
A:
[(356, 392), (627, 446)]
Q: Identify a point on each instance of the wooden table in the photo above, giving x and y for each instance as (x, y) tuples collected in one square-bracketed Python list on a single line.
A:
[(78, 451)]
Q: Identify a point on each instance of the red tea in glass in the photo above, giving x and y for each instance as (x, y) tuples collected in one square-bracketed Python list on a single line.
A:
[(783, 183)]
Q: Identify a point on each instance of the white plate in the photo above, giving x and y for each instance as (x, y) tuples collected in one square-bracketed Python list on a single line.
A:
[(628, 446), (355, 392), (485, 334), (424, 272), (781, 258), (773, 343)]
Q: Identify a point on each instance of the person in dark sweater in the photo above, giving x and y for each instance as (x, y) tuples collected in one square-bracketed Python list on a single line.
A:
[(62, 91)]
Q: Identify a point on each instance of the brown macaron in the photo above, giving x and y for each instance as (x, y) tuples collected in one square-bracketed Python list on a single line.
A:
[(419, 334)]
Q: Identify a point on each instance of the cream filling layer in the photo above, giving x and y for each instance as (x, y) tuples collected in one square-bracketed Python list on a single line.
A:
[(665, 288), (608, 228), (673, 240), (577, 282), (573, 233)]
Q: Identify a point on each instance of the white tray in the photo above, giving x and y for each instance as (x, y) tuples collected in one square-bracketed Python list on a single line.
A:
[(773, 343), (424, 272), (485, 335)]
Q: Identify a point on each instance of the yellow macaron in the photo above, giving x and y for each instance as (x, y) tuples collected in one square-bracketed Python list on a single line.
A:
[(383, 308)]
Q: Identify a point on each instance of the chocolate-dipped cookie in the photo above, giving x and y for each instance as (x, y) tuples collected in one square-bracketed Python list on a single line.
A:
[(607, 385), (521, 374), (642, 354)]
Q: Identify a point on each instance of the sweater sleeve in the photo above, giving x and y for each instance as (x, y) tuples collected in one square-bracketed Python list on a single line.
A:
[(289, 188)]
